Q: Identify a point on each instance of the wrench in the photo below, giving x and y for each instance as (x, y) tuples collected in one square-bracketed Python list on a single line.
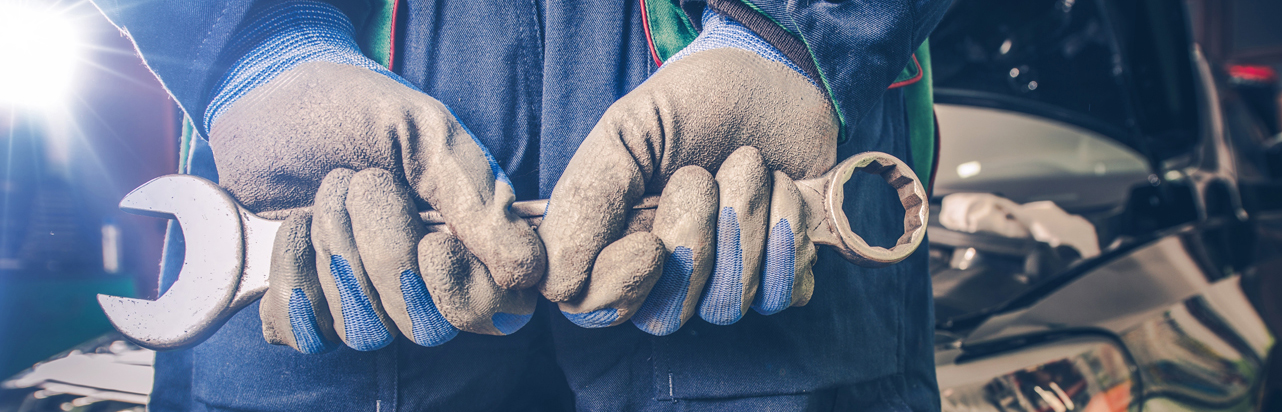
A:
[(228, 249)]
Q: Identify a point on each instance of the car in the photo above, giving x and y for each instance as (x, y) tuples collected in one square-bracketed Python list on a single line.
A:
[(1108, 112), (1148, 275), (104, 374)]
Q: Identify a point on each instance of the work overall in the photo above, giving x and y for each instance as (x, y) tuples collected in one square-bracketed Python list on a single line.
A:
[(530, 79)]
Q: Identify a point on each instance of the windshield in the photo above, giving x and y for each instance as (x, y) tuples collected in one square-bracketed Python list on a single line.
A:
[(1054, 52), (998, 166), (1120, 68), (1051, 113), (1025, 159)]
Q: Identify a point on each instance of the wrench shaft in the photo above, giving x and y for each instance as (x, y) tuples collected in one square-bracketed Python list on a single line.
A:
[(260, 234), (224, 271)]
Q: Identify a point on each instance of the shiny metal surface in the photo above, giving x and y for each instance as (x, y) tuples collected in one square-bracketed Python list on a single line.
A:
[(824, 196), (1088, 373), (1115, 296), (211, 269), (1204, 354), (1195, 339), (1178, 303)]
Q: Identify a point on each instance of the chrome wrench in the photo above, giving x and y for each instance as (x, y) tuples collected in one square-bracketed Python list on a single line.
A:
[(228, 249)]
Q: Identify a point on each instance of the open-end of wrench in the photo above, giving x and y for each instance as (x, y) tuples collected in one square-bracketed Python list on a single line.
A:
[(228, 249)]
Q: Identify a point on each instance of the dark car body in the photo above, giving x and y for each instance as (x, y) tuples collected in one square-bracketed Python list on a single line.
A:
[(1162, 158)]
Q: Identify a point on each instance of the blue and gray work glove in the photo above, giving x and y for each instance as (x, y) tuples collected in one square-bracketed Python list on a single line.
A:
[(730, 103), (303, 119)]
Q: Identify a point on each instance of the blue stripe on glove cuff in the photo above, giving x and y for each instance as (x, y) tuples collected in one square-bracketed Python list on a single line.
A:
[(720, 31), (290, 34), (362, 328), (430, 328), (302, 321)]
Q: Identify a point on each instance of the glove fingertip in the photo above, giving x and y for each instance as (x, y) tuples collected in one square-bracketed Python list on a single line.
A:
[(661, 314), (726, 313), (525, 264), (599, 318), (804, 289), (509, 323), (779, 270), (568, 265), (428, 326), (723, 302), (306, 330), (363, 329)]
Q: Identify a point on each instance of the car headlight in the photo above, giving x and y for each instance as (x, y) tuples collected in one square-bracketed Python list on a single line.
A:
[(1083, 374)]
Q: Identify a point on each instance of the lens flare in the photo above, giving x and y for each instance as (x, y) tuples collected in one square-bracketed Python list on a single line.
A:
[(39, 49)]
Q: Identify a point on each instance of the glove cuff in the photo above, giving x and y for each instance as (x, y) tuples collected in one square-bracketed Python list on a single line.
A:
[(720, 31), (281, 37)]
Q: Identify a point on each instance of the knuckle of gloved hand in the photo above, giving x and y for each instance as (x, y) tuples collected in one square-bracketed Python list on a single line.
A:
[(459, 284), (586, 210), (685, 222), (744, 184), (567, 272), (687, 218), (294, 312), (624, 273), (383, 215), (512, 252)]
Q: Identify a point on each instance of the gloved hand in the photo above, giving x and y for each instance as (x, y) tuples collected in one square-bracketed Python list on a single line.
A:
[(304, 119), (729, 102)]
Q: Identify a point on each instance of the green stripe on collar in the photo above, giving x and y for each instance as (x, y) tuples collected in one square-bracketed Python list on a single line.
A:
[(668, 29)]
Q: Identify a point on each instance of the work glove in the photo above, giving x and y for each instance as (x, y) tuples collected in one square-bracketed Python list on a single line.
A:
[(728, 103), (303, 119)]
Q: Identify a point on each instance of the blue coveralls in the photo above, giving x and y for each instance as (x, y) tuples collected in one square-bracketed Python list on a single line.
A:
[(530, 79)]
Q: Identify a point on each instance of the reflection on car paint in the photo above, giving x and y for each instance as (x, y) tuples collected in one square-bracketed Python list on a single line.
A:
[(1203, 354), (1087, 373)]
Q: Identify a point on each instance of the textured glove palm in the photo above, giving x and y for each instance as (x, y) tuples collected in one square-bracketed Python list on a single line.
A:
[(334, 131), (718, 245)]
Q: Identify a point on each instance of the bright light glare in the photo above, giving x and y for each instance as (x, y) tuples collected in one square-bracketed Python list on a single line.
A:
[(968, 169), (38, 53)]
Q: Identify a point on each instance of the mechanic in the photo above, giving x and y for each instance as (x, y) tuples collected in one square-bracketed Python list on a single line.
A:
[(368, 111)]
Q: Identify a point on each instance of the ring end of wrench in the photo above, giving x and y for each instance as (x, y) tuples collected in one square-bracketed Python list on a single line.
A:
[(912, 196)]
